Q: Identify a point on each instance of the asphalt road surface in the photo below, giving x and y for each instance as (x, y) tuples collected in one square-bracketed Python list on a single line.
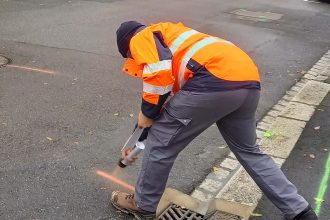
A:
[(66, 108)]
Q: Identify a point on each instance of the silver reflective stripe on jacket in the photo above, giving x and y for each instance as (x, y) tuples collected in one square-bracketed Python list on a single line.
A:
[(160, 90), (159, 66), (197, 46), (181, 39)]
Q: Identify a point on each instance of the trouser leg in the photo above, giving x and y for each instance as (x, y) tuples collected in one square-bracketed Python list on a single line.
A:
[(186, 116), (238, 130)]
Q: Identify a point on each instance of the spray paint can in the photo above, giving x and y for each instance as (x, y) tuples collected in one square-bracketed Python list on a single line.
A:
[(138, 147), (135, 140)]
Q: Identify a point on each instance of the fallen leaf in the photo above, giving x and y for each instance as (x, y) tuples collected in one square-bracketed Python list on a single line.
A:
[(317, 128), (49, 138), (312, 156), (268, 134), (215, 169), (256, 214), (116, 114), (131, 115)]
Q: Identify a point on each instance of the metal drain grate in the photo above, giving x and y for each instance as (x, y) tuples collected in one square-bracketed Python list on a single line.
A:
[(175, 212), (224, 216)]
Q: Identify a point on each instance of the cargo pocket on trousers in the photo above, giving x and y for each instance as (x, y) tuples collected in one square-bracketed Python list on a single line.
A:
[(174, 125)]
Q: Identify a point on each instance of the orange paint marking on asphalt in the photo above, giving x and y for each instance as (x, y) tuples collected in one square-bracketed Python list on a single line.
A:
[(115, 180), (32, 69)]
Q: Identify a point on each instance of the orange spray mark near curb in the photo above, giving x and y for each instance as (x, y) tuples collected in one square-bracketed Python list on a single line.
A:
[(32, 69), (115, 180)]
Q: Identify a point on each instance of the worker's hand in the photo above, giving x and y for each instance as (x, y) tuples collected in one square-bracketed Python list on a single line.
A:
[(125, 153), (143, 121)]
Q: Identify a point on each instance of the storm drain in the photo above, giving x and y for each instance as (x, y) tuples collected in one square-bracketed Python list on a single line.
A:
[(175, 212), (3, 61)]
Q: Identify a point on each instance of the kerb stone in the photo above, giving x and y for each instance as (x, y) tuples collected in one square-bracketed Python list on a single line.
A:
[(298, 111), (326, 72), (230, 164), (312, 93), (211, 185), (286, 133), (242, 189), (202, 196)]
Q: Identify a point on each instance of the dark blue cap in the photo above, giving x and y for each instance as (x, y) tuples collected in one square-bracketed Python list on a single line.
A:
[(124, 34)]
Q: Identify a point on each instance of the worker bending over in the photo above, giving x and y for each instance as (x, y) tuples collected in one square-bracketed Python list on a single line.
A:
[(212, 81)]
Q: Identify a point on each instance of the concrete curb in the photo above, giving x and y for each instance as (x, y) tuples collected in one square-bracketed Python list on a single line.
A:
[(277, 133), (229, 188)]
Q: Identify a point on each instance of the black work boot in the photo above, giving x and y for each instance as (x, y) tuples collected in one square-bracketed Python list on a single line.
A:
[(307, 214), (126, 203)]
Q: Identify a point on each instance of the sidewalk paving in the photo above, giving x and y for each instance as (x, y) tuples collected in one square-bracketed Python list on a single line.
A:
[(306, 166)]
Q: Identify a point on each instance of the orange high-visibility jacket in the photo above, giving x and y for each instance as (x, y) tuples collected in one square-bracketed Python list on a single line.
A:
[(169, 57)]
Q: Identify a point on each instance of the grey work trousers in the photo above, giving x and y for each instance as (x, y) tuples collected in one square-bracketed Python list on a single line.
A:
[(188, 114)]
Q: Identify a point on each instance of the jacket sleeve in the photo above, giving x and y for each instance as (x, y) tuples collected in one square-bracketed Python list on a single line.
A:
[(148, 48)]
